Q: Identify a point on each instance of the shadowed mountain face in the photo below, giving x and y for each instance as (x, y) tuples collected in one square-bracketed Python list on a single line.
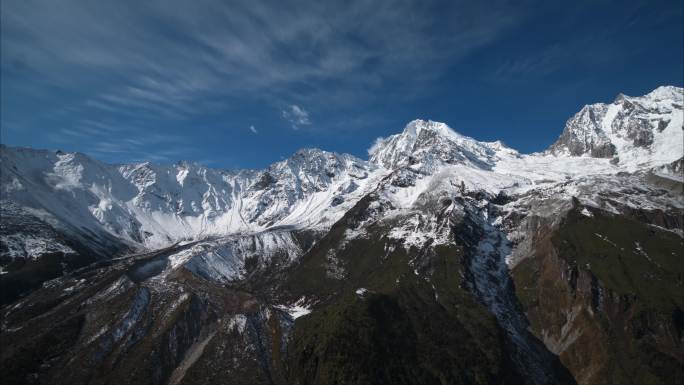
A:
[(439, 260)]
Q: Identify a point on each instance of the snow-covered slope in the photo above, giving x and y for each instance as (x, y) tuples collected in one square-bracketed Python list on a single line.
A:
[(152, 206)]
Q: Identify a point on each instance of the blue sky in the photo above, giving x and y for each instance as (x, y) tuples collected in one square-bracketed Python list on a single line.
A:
[(237, 84)]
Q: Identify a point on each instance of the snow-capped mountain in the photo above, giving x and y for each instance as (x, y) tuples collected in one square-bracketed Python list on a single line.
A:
[(634, 131), (155, 205), (518, 259), (428, 144), (148, 206)]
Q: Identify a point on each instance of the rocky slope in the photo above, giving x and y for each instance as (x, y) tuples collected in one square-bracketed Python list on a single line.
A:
[(441, 259)]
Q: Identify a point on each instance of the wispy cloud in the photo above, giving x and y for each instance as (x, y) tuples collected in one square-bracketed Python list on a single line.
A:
[(540, 63), (173, 58), (107, 141), (296, 115), (253, 129)]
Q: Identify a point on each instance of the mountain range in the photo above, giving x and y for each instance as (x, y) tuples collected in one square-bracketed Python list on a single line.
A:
[(441, 259)]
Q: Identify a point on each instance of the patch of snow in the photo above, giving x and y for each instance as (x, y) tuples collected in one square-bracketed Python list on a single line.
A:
[(117, 287), (296, 310), (133, 315), (491, 285), (604, 238), (640, 250), (78, 284), (237, 323)]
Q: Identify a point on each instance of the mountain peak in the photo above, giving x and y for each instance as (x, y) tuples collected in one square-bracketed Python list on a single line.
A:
[(427, 144), (631, 130), (667, 92), (658, 94), (415, 127), (312, 152)]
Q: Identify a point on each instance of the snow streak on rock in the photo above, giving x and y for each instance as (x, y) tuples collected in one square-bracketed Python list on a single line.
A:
[(491, 283)]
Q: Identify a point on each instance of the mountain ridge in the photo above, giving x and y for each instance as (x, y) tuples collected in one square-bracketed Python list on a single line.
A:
[(470, 262), (134, 201)]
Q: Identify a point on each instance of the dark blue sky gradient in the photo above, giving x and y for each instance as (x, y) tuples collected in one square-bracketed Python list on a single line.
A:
[(167, 80)]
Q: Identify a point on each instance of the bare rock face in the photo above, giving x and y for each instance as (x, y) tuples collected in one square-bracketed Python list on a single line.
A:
[(583, 134)]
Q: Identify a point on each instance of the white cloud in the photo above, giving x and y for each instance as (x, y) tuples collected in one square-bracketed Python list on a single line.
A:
[(253, 129), (297, 116)]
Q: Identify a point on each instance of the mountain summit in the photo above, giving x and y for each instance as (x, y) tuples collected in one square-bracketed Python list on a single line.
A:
[(431, 144), (631, 130)]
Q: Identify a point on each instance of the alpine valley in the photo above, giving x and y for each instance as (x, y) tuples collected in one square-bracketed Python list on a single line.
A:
[(439, 260)]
